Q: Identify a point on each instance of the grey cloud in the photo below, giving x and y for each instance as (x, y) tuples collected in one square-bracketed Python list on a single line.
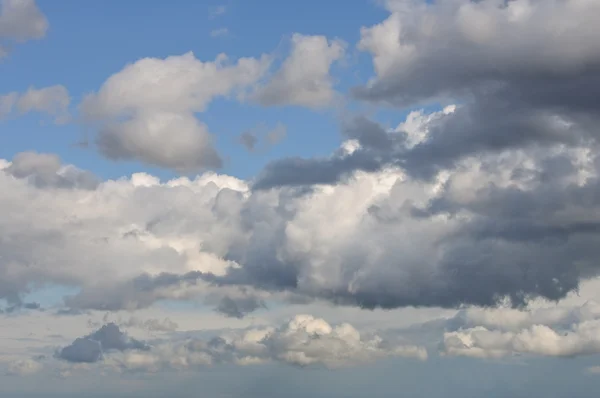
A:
[(302, 341), (20, 21), (262, 134), (47, 171), (518, 85), (239, 307), (248, 140), (92, 347)]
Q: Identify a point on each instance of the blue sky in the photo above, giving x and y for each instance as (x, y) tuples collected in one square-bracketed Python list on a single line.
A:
[(404, 201)]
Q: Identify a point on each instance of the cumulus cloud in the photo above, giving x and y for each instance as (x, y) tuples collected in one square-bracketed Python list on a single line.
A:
[(20, 21), (304, 78), (511, 70), (146, 110), (93, 347), (24, 367), (303, 341), (53, 101), (513, 226), (46, 170), (549, 331)]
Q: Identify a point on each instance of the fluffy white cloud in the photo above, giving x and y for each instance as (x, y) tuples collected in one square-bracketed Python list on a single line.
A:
[(52, 100), (304, 78), (550, 331), (303, 341), (20, 20), (490, 219), (146, 110)]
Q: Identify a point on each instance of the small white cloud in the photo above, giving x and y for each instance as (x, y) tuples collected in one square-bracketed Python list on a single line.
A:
[(217, 11), (219, 32)]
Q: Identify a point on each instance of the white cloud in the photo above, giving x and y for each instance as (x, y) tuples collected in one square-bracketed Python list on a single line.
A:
[(178, 237), (53, 101), (548, 331), (20, 20), (220, 32), (217, 11), (304, 78), (146, 110), (302, 341)]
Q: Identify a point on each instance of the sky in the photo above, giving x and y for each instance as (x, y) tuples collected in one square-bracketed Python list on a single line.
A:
[(326, 199)]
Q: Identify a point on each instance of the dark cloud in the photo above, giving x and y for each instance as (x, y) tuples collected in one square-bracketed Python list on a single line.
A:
[(91, 348), (239, 307)]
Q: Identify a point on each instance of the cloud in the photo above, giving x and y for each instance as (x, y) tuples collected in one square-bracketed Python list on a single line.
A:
[(512, 79), (20, 21), (153, 325), (220, 32), (92, 347), (46, 170), (150, 119), (503, 227), (239, 307), (248, 140), (426, 51), (217, 11), (547, 331), (269, 135), (593, 370), (303, 341), (24, 367), (53, 101), (304, 78)]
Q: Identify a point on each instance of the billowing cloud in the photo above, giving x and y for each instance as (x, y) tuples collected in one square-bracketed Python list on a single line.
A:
[(518, 83), (53, 101), (146, 110), (303, 341), (430, 51), (47, 170), (304, 78), (513, 226), (20, 21), (92, 347)]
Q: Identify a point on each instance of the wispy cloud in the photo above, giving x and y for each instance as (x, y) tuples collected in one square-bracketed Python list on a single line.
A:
[(219, 32), (217, 11)]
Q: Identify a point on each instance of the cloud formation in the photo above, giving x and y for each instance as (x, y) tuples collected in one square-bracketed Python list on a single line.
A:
[(560, 332), (146, 111), (20, 21), (513, 226), (304, 77), (93, 347), (53, 101), (24, 367), (303, 341)]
